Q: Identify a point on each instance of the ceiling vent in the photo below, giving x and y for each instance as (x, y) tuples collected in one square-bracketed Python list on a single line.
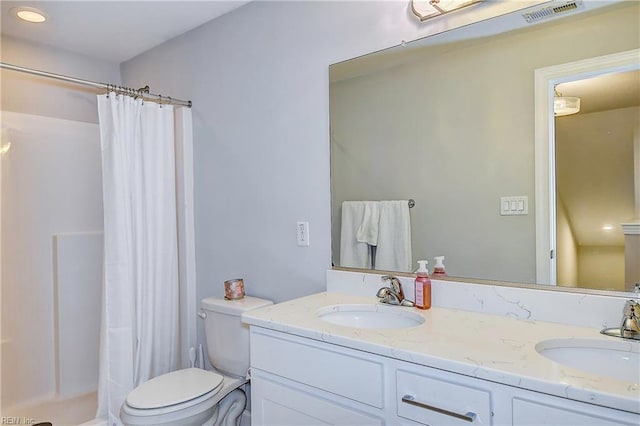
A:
[(551, 11)]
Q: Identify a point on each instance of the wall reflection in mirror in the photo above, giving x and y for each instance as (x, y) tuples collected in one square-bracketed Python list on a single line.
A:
[(450, 124)]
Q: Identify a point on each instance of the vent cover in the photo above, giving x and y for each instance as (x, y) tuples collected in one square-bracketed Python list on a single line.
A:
[(550, 11)]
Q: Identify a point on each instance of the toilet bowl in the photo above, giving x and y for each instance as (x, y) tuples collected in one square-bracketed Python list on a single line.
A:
[(194, 396)]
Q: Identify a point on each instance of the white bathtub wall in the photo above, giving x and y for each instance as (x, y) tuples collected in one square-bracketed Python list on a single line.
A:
[(78, 260), (51, 184)]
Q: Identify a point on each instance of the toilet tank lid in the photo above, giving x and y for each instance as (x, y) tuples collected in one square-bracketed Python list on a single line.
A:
[(233, 307)]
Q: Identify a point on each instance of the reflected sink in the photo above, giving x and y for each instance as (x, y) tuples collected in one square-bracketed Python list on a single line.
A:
[(614, 359), (370, 316)]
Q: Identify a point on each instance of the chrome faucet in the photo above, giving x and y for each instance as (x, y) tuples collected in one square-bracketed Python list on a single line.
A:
[(630, 327), (631, 317), (393, 295)]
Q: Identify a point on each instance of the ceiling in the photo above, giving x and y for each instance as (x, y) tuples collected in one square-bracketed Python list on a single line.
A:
[(114, 31), (604, 92)]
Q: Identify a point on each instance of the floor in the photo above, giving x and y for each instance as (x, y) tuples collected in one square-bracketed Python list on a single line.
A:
[(66, 412)]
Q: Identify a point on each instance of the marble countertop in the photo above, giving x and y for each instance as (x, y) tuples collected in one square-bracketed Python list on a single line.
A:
[(489, 347)]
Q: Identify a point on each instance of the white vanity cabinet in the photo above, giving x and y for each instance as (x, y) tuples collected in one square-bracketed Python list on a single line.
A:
[(301, 381)]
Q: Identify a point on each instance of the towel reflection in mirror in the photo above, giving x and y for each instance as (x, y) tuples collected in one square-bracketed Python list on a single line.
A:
[(376, 235)]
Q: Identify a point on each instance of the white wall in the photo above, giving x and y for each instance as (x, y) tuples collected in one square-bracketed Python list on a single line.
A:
[(258, 78), (601, 267), (51, 98), (566, 248), (46, 192)]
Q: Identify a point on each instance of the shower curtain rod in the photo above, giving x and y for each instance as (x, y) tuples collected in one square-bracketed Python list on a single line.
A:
[(144, 92)]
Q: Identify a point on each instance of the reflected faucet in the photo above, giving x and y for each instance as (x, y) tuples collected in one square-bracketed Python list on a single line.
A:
[(393, 295), (630, 327)]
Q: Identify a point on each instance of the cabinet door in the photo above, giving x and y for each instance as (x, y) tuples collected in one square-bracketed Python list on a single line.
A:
[(340, 371), (536, 413), (275, 403)]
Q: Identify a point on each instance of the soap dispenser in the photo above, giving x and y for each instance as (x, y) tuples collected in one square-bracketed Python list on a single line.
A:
[(422, 286), (438, 269)]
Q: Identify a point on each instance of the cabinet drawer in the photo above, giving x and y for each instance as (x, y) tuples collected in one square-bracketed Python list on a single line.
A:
[(342, 373), (558, 412), (434, 401)]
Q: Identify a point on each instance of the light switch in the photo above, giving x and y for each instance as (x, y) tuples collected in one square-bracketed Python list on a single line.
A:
[(514, 205)]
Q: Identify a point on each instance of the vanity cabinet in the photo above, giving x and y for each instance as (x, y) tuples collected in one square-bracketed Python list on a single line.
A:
[(300, 381)]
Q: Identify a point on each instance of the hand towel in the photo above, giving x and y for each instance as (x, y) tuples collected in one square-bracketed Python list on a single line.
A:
[(353, 254), (393, 251), (368, 230)]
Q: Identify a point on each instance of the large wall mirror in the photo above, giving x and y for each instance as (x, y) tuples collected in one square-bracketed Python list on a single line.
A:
[(450, 123)]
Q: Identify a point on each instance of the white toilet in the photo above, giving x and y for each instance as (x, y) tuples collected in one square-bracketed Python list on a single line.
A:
[(193, 396)]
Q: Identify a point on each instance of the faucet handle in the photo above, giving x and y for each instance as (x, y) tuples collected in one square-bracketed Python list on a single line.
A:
[(631, 308), (396, 285), (631, 317)]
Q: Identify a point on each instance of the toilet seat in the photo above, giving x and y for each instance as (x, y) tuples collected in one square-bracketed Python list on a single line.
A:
[(173, 391)]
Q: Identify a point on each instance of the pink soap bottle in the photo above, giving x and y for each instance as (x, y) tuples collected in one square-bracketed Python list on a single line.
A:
[(422, 286), (438, 269)]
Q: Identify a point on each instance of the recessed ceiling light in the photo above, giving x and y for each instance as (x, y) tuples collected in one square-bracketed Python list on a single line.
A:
[(30, 14)]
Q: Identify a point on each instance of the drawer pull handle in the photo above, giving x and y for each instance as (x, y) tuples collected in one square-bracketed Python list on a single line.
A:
[(468, 417)]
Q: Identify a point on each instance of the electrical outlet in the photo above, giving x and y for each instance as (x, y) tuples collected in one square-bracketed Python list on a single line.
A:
[(302, 233)]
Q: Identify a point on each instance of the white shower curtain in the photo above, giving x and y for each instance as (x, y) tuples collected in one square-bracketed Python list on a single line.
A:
[(141, 331)]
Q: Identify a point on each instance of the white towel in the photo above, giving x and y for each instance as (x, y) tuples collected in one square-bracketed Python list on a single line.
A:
[(368, 229), (353, 254), (394, 237)]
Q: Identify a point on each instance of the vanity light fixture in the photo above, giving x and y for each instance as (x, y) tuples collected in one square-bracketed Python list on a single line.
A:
[(565, 105), (29, 14), (425, 9)]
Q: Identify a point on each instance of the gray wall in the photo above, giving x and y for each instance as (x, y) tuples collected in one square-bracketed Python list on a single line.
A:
[(258, 78)]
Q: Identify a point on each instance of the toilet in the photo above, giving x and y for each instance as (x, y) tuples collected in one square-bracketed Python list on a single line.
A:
[(193, 396)]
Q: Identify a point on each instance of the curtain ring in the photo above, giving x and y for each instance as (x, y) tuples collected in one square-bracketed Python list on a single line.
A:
[(160, 101)]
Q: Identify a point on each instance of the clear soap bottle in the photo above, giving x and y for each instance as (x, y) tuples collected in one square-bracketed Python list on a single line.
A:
[(423, 286)]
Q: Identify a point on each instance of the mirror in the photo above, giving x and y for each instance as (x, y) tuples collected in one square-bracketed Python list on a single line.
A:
[(451, 125)]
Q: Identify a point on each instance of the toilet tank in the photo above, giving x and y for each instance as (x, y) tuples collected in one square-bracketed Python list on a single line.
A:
[(227, 337)]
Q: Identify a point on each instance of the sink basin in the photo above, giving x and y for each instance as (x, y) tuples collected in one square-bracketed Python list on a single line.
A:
[(370, 316), (614, 359)]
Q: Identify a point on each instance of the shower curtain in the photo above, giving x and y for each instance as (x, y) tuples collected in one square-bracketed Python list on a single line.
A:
[(141, 335)]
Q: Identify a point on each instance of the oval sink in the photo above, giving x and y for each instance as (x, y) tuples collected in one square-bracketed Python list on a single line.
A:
[(614, 359), (370, 316)]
